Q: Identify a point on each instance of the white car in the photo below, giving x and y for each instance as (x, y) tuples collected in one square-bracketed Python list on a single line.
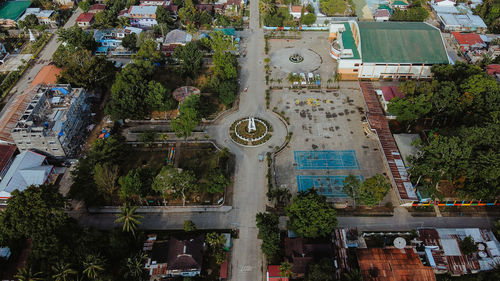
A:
[(303, 78)]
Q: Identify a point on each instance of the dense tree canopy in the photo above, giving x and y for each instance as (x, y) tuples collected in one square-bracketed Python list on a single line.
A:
[(190, 59), (189, 117), (269, 233), (489, 10), (78, 38), (311, 216), (333, 7)]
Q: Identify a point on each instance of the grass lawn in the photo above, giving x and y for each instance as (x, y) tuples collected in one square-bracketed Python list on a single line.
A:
[(201, 160), (151, 159)]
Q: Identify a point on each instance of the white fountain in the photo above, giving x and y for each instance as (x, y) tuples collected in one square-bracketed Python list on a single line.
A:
[(251, 124)]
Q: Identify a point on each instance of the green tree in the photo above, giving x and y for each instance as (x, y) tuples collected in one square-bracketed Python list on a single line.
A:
[(311, 216), (175, 182), (133, 95), (322, 270), (188, 118), (105, 177), (351, 187), (489, 10), (25, 274), (216, 241), (333, 7), (130, 41), (216, 182), (135, 184), (189, 226), (134, 268), (148, 137), (468, 245), (409, 110), (190, 58), (310, 8), (163, 16), (128, 218), (308, 19), (84, 5), (374, 189), (353, 275), (76, 37), (227, 92), (103, 20), (93, 266), (30, 21), (149, 51), (87, 71), (63, 271), (267, 6), (188, 13), (269, 233)]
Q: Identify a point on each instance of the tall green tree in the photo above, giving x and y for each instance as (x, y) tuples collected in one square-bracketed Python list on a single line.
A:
[(26, 274), (269, 233), (216, 182), (128, 218), (63, 271), (216, 241), (227, 92), (149, 51), (105, 176), (130, 41), (134, 268), (136, 184), (190, 58), (311, 216), (374, 189), (93, 266), (322, 270), (188, 118), (77, 37), (174, 182), (351, 186)]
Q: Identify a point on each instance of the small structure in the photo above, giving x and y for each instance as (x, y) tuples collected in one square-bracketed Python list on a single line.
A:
[(182, 93), (5, 253), (296, 11), (10, 11), (54, 121), (469, 41), (43, 16), (445, 3), (494, 70), (392, 264), (96, 8), (175, 38), (300, 252), (85, 20), (398, 4), (381, 15), (174, 257), (273, 274), (387, 93), (29, 168), (462, 23), (154, 3), (142, 16)]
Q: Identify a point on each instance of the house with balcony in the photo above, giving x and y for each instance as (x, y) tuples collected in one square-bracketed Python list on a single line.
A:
[(110, 39)]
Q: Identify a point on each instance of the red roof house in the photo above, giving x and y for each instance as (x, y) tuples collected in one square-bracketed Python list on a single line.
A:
[(7, 153), (493, 69), (96, 8), (469, 40), (273, 274), (85, 20)]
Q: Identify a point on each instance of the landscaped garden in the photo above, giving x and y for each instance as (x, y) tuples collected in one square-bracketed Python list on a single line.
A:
[(250, 131)]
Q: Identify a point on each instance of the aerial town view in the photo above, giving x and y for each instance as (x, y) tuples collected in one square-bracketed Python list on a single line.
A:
[(250, 140)]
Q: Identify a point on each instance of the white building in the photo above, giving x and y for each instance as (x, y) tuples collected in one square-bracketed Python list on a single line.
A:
[(444, 2), (386, 50)]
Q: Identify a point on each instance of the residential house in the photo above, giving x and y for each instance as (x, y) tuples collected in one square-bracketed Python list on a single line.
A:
[(174, 257), (387, 93), (85, 20), (28, 168), (11, 11), (393, 264), (381, 15), (296, 11), (441, 249), (96, 8), (54, 121), (461, 22), (7, 153), (66, 3), (154, 3), (398, 4), (448, 3), (494, 70), (300, 252), (175, 38), (142, 16), (110, 39), (274, 274), (469, 41), (43, 16)]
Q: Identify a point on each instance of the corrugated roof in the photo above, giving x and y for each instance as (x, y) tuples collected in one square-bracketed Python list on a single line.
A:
[(6, 153), (348, 40), (392, 264), (401, 42), (85, 17), (143, 10)]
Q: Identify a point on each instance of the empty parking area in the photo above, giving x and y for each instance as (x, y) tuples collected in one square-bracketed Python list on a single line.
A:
[(326, 160), (329, 186)]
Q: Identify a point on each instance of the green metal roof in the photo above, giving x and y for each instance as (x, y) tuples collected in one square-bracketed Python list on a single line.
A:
[(12, 10), (401, 42), (399, 3), (348, 41), (385, 6)]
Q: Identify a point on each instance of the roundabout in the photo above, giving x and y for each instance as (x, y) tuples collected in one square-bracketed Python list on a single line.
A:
[(250, 131)]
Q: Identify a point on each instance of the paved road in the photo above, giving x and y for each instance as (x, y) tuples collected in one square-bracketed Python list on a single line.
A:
[(44, 58)]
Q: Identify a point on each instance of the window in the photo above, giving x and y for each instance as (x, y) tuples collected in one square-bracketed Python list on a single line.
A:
[(28, 142), (355, 70), (20, 142), (356, 64), (55, 149)]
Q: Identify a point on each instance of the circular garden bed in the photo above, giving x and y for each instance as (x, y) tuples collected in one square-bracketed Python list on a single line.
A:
[(240, 134)]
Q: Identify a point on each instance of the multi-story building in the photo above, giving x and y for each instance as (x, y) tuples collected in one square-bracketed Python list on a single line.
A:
[(110, 39), (54, 121), (142, 16), (386, 50)]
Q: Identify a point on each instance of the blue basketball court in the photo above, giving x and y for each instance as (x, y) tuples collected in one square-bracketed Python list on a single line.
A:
[(330, 186), (326, 160)]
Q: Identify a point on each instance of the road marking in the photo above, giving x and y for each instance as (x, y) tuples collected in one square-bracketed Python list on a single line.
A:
[(246, 268)]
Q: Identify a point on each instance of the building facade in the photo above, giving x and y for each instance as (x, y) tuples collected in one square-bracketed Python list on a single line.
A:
[(142, 16), (386, 50), (54, 121)]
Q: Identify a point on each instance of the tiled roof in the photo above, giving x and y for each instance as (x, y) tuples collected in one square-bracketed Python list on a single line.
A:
[(85, 17), (185, 254), (296, 9), (391, 92), (493, 69), (98, 7), (382, 13), (6, 153), (391, 264), (301, 252)]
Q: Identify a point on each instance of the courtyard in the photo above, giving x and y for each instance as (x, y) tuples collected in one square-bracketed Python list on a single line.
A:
[(331, 139)]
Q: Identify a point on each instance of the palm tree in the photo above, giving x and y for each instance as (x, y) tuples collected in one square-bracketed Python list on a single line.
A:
[(328, 82), (285, 269), (129, 219), (279, 81), (267, 6), (134, 268), (337, 78), (25, 274), (271, 81), (62, 271), (93, 265)]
